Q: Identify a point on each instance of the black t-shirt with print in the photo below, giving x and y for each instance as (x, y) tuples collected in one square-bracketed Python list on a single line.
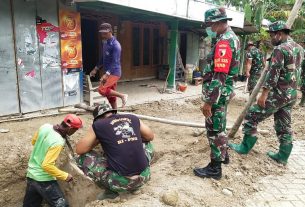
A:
[(121, 141)]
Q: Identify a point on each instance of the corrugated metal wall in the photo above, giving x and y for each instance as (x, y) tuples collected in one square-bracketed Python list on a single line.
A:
[(9, 103), (49, 50), (35, 61), (27, 54)]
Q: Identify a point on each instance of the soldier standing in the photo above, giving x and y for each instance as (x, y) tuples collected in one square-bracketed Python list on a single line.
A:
[(302, 102), (254, 65), (278, 96), (218, 77)]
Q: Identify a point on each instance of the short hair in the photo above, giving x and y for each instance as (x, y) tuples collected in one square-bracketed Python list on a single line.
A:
[(63, 124)]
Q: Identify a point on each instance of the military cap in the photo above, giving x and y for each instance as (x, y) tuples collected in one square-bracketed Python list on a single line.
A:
[(278, 26), (101, 110), (215, 15)]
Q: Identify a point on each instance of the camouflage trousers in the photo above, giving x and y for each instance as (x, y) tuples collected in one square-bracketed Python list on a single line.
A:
[(303, 87), (94, 165), (281, 111), (216, 129), (252, 81)]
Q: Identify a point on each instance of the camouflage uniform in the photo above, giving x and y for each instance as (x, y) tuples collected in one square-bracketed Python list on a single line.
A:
[(218, 87), (302, 81), (298, 53), (94, 165), (256, 67), (303, 76), (281, 81)]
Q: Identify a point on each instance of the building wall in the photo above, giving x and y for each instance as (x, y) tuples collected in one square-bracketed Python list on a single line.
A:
[(31, 76), (130, 70), (192, 52), (9, 103), (187, 9)]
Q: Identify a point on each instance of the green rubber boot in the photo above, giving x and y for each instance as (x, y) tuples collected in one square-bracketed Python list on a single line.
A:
[(283, 154), (302, 102), (246, 145)]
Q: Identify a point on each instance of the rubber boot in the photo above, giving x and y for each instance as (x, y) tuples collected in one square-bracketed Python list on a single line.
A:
[(212, 170), (283, 154), (302, 102), (107, 194), (246, 145)]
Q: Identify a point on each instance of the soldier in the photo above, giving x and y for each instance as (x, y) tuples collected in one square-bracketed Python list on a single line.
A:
[(124, 166), (254, 65), (218, 77), (298, 52), (278, 96), (302, 102)]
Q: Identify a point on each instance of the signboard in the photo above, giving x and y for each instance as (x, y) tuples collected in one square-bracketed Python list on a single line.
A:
[(70, 36)]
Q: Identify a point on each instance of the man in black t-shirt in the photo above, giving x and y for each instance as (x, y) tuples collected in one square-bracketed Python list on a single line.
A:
[(127, 151)]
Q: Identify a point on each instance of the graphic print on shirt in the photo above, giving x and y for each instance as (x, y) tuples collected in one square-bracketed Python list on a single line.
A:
[(125, 129)]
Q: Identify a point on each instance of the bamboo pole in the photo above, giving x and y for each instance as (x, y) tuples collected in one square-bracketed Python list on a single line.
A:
[(292, 17)]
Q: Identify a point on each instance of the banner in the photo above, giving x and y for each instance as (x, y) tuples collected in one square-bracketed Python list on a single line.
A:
[(70, 37)]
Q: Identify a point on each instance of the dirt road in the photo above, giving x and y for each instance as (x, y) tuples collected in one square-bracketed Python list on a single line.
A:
[(177, 153)]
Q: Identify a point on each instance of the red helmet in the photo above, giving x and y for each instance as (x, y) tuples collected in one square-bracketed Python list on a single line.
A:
[(73, 121)]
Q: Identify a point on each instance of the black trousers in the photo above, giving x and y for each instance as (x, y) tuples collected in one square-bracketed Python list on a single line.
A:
[(49, 191)]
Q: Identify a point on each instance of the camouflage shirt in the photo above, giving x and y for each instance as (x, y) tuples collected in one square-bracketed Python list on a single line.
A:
[(222, 67), (298, 53), (281, 76), (257, 58)]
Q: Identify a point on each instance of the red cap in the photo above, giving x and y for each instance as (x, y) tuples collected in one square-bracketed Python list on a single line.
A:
[(73, 121)]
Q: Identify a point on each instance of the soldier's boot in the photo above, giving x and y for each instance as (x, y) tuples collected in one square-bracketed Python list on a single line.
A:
[(283, 154), (245, 146), (212, 170), (107, 194), (302, 102)]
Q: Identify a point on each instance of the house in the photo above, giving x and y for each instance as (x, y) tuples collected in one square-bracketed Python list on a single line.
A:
[(46, 46)]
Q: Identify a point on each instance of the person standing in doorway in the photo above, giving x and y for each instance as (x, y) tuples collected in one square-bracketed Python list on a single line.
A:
[(111, 63)]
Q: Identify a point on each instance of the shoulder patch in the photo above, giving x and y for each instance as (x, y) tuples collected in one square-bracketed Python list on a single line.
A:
[(222, 57)]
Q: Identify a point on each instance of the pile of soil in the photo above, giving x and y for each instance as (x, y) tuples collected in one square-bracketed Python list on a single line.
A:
[(178, 151)]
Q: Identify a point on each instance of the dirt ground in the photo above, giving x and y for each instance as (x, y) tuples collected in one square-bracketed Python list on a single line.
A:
[(178, 151)]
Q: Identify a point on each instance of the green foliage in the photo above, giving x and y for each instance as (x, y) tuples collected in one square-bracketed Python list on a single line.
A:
[(248, 12)]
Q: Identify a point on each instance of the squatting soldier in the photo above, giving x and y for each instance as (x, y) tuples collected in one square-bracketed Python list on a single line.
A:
[(218, 78), (124, 165), (254, 65), (278, 96)]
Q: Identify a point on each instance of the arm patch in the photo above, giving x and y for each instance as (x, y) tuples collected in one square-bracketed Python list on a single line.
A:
[(222, 57)]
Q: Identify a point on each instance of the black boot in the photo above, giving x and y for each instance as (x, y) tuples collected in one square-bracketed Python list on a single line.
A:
[(212, 170)]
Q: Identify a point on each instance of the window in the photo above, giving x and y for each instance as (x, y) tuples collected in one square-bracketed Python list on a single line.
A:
[(146, 46), (136, 46), (156, 47)]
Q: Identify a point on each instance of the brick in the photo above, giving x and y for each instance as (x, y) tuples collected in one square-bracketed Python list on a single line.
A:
[(267, 196), (295, 186), (281, 204), (292, 192), (283, 197), (298, 203)]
